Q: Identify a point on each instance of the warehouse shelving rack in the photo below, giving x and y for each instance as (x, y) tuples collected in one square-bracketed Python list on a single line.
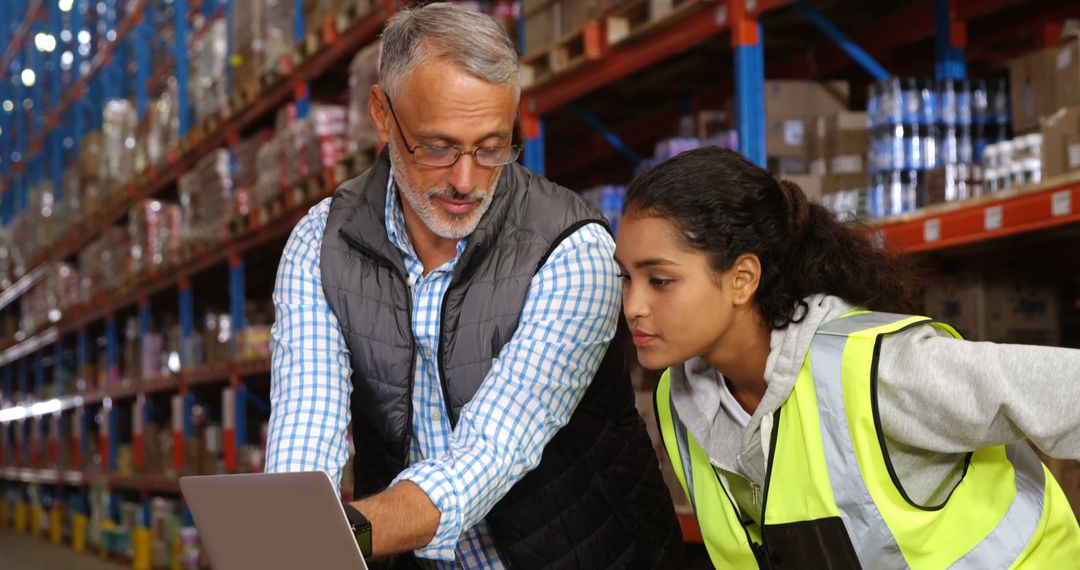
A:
[(732, 28)]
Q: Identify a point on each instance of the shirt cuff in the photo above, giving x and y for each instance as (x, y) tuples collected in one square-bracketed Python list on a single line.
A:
[(436, 482)]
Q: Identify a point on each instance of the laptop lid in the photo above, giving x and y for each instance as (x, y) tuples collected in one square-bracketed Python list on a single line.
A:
[(271, 521)]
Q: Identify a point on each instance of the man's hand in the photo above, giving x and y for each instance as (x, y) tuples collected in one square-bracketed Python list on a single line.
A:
[(402, 519)]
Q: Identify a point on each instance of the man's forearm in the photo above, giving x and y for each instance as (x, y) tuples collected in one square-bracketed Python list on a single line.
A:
[(402, 518)]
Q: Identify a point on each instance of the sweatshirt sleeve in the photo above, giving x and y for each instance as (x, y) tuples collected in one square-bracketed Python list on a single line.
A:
[(945, 395)]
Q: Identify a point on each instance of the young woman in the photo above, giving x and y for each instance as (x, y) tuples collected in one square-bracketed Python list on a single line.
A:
[(810, 432)]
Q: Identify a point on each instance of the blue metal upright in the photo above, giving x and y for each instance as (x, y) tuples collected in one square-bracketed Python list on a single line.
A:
[(187, 323), (112, 352), (180, 67), (302, 99), (80, 107), (22, 377), (746, 39), (949, 42), (39, 373), (236, 292), (843, 41), (56, 136), (140, 41), (81, 355), (60, 373)]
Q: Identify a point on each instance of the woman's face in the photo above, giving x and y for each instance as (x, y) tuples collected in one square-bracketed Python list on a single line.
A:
[(677, 306)]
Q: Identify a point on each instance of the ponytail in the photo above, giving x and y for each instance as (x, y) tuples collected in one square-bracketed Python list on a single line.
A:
[(726, 206)]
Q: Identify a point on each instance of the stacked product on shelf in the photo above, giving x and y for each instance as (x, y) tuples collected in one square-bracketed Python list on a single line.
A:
[(918, 126), (609, 200), (208, 58), (118, 126), (206, 199), (154, 231), (363, 73), (1060, 141)]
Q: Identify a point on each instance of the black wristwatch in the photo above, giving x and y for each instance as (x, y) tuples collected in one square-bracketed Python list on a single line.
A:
[(361, 528)]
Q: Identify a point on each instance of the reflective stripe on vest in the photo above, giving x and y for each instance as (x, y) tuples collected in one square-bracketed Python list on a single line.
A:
[(1006, 511)]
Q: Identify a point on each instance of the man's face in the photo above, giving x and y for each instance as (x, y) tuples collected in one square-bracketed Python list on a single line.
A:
[(443, 106)]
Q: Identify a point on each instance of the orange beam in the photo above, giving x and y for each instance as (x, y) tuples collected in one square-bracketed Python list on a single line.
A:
[(984, 220)]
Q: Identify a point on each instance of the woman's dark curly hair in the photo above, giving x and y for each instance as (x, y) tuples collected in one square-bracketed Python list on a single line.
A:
[(726, 206)]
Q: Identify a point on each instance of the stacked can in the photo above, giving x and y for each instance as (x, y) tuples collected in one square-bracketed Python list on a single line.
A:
[(918, 125)]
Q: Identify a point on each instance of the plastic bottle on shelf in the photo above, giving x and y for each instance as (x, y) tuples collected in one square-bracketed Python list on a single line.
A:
[(948, 151), (999, 102), (964, 112), (873, 105), (965, 147), (947, 100)]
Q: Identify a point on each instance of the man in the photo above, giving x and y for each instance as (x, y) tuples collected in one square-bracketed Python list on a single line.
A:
[(458, 309)]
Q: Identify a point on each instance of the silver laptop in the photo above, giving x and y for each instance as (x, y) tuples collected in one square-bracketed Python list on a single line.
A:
[(271, 521)]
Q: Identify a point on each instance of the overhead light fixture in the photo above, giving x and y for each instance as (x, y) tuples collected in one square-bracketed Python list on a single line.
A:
[(28, 77)]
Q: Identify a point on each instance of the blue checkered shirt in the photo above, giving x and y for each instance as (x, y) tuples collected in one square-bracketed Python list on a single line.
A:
[(531, 391)]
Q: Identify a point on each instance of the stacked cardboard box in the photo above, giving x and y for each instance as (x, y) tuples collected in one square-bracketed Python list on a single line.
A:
[(548, 21), (105, 262), (208, 79), (248, 44), (118, 126), (1061, 142), (1017, 308), (271, 173), (154, 229), (206, 198), (313, 144), (279, 45), (792, 109)]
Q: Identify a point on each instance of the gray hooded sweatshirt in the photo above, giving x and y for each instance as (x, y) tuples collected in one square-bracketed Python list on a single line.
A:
[(939, 398)]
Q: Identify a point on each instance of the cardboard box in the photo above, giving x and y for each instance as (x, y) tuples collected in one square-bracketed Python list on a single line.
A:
[(1061, 142), (846, 141), (806, 98), (833, 183), (998, 308), (1033, 88), (786, 136), (1067, 73)]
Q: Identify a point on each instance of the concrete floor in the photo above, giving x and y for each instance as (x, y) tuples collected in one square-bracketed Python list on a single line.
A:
[(23, 552)]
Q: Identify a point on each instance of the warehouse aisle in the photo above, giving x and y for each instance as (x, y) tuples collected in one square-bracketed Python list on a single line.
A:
[(21, 552)]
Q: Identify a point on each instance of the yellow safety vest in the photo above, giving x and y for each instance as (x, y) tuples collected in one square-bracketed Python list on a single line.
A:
[(832, 499)]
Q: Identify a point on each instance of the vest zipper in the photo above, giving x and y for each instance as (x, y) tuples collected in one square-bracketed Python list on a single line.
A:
[(381, 260)]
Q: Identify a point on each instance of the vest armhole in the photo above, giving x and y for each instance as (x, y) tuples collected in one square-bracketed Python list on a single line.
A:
[(565, 234), (881, 431)]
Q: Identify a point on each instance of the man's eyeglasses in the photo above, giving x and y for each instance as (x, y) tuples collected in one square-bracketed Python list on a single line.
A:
[(446, 156)]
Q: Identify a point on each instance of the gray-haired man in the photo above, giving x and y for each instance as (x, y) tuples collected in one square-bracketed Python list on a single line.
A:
[(459, 309)]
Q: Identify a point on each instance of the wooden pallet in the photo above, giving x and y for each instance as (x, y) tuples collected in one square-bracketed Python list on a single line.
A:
[(585, 44), (631, 19)]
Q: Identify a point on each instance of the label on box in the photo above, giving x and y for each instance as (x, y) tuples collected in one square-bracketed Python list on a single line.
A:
[(1064, 57), (847, 164), (1061, 204), (794, 132), (993, 218), (931, 230), (1074, 156)]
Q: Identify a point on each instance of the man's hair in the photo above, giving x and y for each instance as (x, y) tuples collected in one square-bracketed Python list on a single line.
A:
[(469, 40)]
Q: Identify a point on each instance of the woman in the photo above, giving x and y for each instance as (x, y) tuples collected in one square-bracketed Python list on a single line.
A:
[(809, 432)]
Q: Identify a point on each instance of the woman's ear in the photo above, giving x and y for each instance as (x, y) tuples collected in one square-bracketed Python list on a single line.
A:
[(745, 276)]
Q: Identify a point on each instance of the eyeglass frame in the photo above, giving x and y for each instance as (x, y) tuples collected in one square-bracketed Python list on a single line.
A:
[(515, 149)]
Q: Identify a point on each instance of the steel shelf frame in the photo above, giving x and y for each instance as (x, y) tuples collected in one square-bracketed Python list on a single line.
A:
[(232, 375)]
